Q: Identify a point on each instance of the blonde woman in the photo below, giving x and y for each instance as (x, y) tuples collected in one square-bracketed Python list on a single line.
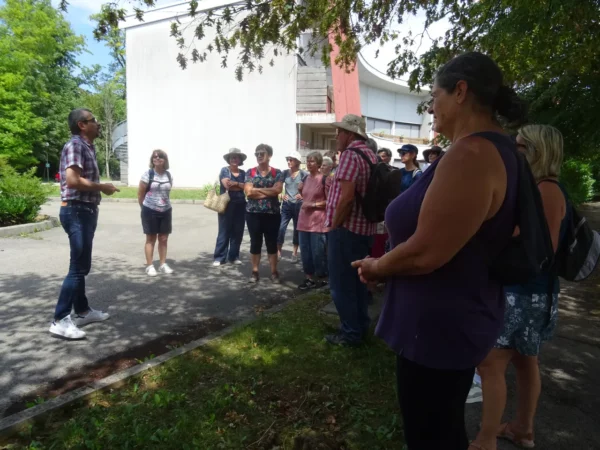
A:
[(531, 309), (154, 199)]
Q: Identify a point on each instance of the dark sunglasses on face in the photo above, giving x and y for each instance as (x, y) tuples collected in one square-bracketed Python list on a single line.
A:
[(259, 154), (93, 119), (157, 157)]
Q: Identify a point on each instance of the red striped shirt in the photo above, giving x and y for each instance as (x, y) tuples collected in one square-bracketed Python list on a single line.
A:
[(353, 168)]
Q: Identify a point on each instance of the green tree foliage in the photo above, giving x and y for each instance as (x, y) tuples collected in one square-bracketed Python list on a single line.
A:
[(37, 86), (21, 195), (108, 104), (548, 50)]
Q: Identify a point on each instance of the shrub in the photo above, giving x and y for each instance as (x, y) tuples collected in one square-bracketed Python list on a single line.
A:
[(577, 178), (204, 190), (21, 196)]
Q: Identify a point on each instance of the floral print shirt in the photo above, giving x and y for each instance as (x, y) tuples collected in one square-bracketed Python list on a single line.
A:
[(269, 205)]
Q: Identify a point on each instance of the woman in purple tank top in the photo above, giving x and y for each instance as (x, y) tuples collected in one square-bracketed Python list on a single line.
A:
[(442, 311)]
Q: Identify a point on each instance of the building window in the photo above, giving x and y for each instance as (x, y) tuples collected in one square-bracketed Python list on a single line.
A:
[(407, 130), (378, 126)]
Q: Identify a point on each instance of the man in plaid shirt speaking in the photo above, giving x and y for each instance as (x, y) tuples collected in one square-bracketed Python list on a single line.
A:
[(351, 234), (80, 190)]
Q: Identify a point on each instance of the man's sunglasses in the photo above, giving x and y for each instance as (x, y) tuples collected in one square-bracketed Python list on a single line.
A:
[(93, 119)]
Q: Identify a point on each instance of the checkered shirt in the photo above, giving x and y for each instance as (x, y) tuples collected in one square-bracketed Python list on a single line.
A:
[(78, 152), (352, 167)]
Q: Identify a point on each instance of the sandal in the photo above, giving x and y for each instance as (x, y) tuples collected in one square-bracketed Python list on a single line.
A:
[(475, 446), (521, 440), (254, 277)]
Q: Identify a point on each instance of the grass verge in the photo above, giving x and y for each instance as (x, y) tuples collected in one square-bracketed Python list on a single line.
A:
[(131, 192), (272, 384)]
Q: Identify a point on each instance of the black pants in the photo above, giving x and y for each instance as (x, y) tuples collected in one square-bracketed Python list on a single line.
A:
[(433, 406), (263, 224)]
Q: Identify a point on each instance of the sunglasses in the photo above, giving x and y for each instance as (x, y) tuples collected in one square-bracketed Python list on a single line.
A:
[(93, 119), (158, 157), (258, 154)]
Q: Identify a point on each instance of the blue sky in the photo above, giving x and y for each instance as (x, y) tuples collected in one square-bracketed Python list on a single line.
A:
[(78, 14)]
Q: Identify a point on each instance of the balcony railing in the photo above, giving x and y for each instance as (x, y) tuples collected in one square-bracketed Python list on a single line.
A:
[(119, 135), (312, 92)]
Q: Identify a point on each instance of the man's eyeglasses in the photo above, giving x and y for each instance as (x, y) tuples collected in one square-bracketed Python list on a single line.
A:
[(259, 154), (93, 119)]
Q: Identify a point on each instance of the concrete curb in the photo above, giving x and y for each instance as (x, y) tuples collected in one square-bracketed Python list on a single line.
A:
[(16, 230), (134, 200), (18, 421)]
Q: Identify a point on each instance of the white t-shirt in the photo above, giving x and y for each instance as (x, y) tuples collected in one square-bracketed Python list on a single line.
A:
[(157, 198)]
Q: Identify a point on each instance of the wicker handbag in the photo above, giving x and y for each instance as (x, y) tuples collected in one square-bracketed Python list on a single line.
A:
[(217, 202)]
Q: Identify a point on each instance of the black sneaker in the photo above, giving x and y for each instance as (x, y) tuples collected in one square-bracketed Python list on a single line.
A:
[(321, 284), (307, 284), (340, 339)]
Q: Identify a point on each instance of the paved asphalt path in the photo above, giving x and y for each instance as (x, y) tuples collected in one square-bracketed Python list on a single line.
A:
[(142, 308)]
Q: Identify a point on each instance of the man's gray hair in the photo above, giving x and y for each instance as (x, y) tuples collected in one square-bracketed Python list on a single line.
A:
[(76, 116)]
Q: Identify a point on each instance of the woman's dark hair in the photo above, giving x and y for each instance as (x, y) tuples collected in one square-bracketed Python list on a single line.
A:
[(265, 148), (484, 79), (163, 155), (387, 151), (411, 149)]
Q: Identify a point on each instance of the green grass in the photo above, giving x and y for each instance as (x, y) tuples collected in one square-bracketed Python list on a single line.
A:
[(272, 384), (131, 192)]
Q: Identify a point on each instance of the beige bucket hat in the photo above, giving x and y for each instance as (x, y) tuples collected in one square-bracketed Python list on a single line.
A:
[(234, 151), (352, 123)]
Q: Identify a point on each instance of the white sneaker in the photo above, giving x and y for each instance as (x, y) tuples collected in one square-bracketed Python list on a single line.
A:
[(294, 259), (165, 269), (216, 263), (237, 262), (67, 329), (151, 271), (91, 317)]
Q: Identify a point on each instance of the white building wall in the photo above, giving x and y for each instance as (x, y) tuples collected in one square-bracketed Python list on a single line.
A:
[(385, 105), (197, 114)]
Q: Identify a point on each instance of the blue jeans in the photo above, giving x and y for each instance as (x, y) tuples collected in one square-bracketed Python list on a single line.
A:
[(312, 250), (231, 232), (79, 221), (289, 211), (350, 296)]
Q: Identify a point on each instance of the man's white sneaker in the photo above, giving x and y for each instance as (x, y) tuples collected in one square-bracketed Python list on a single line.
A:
[(165, 269), (91, 317), (237, 262), (67, 329), (151, 271), (216, 263)]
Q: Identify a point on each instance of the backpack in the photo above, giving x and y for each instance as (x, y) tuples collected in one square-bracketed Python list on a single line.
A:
[(578, 253), (253, 172), (151, 179), (530, 253), (383, 186)]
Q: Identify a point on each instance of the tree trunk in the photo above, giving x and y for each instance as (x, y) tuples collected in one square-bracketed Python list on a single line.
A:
[(107, 147)]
